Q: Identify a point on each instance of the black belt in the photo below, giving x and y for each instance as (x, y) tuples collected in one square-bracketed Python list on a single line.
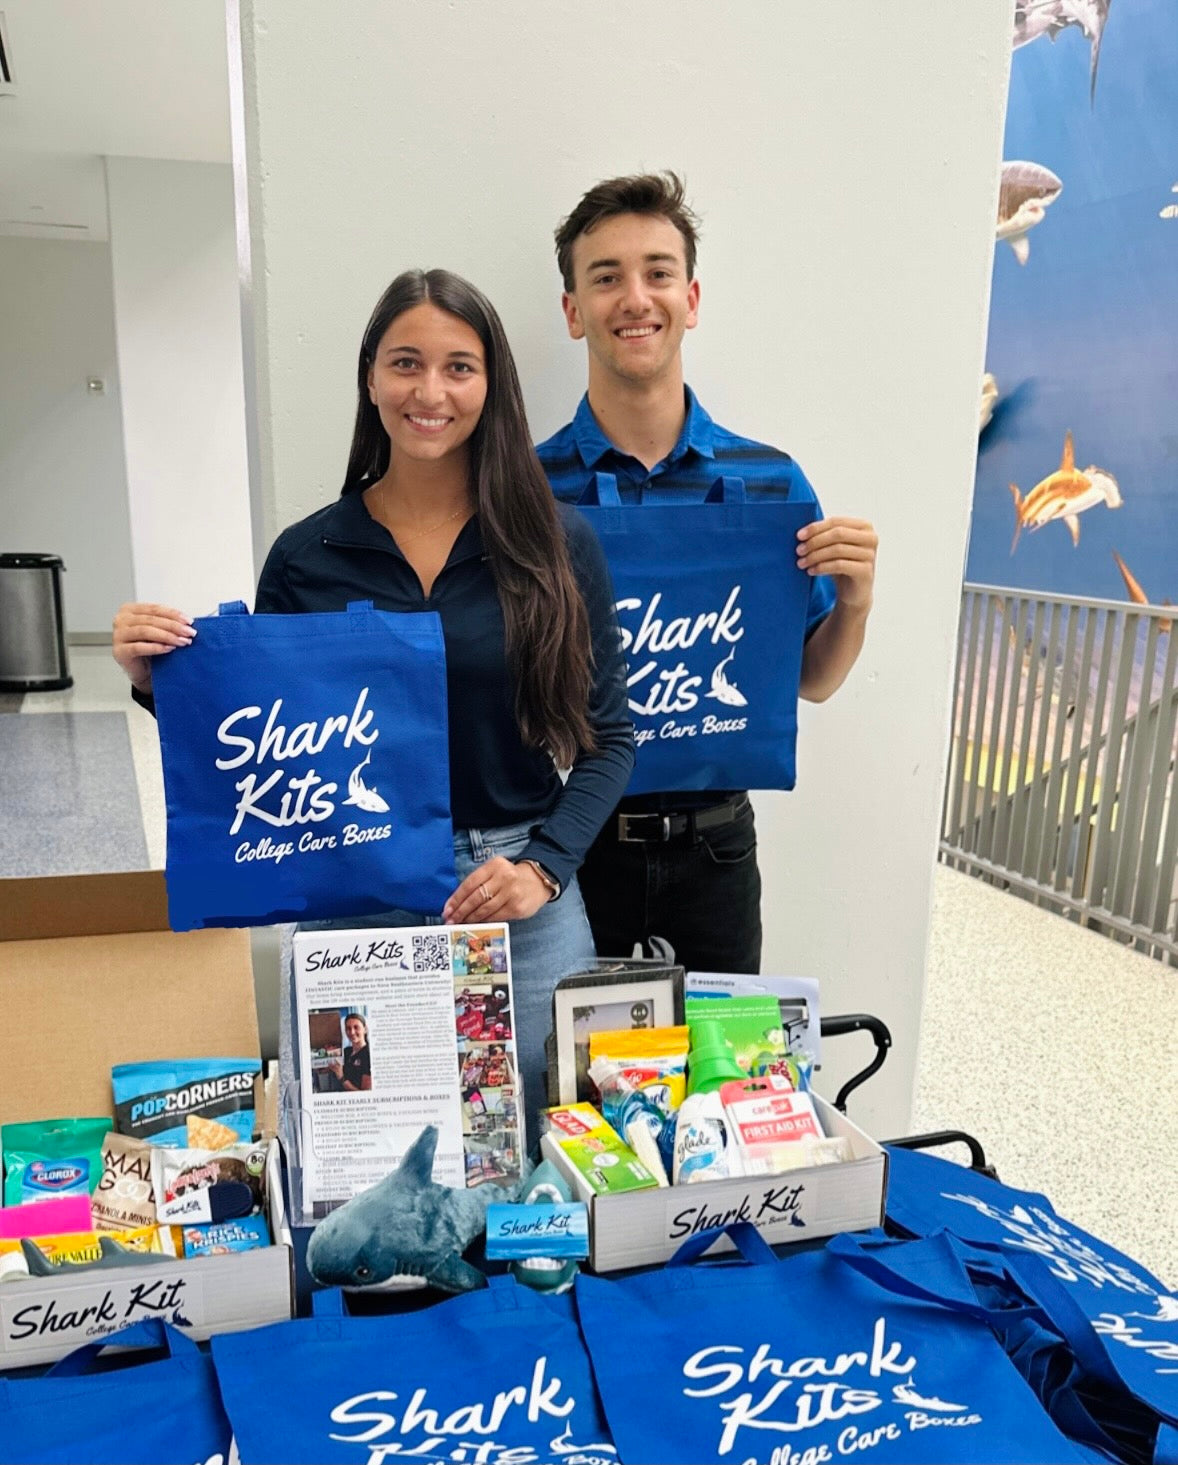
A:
[(659, 828)]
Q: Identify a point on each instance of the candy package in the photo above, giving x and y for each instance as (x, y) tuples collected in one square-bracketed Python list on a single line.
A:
[(174, 1101)]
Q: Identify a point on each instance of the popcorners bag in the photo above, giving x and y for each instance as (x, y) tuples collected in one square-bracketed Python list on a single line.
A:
[(306, 767)]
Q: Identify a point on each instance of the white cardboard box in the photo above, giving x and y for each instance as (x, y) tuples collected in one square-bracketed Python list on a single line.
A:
[(90, 959), (644, 1227)]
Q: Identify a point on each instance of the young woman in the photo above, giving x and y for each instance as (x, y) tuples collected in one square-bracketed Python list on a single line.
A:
[(355, 1070), (445, 507)]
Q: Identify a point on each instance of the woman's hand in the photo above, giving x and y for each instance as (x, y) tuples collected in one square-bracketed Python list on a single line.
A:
[(497, 891), (142, 631)]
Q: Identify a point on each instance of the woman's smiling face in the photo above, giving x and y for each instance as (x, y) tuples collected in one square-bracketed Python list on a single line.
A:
[(354, 1031), (428, 381)]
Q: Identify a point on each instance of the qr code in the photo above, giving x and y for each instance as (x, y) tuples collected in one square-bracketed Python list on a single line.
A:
[(431, 952)]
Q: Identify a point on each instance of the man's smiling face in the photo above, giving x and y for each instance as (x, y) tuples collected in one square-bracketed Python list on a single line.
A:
[(632, 299)]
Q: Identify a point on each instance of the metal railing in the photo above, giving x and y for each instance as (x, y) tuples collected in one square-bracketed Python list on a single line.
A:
[(1061, 778)]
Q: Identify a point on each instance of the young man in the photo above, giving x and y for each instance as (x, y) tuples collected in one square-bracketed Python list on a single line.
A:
[(681, 866)]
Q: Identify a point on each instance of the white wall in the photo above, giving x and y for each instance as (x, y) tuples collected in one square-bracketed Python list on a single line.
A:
[(173, 249), (63, 488), (845, 161)]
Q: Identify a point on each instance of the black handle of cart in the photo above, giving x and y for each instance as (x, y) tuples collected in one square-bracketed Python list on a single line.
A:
[(857, 1022)]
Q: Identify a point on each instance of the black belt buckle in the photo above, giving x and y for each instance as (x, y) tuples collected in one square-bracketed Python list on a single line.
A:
[(658, 827)]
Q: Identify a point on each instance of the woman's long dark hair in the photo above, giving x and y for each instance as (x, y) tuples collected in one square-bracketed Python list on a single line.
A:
[(548, 644)]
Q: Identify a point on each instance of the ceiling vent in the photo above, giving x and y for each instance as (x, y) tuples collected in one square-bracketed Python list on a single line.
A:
[(7, 86)]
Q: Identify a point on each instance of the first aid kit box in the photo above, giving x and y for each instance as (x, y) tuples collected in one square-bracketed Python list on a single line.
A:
[(91, 976)]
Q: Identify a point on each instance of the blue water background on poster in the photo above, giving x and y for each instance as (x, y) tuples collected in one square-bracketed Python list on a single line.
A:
[(1085, 334)]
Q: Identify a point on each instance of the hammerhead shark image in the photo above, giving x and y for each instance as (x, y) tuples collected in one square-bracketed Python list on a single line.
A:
[(1035, 18), (1064, 494)]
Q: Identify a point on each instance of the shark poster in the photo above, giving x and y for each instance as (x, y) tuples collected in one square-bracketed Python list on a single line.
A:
[(1077, 478)]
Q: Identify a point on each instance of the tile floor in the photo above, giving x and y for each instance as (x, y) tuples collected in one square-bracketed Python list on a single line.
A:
[(1078, 1098)]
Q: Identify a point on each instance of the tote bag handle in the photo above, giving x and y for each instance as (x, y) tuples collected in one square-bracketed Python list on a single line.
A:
[(743, 1234), (890, 1265), (150, 1333)]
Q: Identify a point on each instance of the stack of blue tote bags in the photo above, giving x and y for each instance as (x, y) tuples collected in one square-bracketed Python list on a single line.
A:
[(927, 1349)]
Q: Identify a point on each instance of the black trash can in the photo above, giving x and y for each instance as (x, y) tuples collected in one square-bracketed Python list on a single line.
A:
[(32, 624)]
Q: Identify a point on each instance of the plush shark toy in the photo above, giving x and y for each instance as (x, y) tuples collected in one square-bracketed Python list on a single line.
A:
[(404, 1227)]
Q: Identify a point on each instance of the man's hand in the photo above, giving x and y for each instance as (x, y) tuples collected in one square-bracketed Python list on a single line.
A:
[(142, 631), (845, 550), (497, 891)]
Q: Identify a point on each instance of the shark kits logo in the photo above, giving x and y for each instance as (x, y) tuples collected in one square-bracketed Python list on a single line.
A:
[(487, 1432), (661, 682), (271, 794), (761, 1396)]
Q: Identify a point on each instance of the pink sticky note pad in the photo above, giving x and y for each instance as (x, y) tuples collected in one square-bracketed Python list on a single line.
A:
[(58, 1216)]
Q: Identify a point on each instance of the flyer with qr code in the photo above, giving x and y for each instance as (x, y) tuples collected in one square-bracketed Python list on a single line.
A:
[(400, 1027)]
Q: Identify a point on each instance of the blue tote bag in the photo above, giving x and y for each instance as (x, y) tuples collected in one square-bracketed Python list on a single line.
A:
[(1132, 1313), (712, 608), (497, 1377), (306, 767), (1040, 1327), (801, 1360), (166, 1412)]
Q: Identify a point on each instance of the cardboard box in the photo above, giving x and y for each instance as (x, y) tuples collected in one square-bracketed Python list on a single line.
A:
[(649, 1226), (91, 976)]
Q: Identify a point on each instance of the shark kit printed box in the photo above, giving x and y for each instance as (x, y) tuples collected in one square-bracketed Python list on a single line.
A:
[(93, 956), (645, 1227)]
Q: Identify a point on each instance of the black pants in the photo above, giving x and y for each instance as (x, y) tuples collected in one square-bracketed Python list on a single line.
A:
[(703, 895)]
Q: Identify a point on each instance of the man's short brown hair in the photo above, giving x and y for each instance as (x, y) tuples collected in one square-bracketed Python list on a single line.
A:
[(661, 194)]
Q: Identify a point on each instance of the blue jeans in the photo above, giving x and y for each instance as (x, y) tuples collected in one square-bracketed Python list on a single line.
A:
[(553, 943)]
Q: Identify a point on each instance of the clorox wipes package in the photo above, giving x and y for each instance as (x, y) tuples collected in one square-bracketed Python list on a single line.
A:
[(51, 1158)]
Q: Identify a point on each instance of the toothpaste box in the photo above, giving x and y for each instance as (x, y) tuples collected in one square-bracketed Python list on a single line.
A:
[(604, 1162)]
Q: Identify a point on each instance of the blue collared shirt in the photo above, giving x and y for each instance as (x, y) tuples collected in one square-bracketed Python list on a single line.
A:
[(704, 452)]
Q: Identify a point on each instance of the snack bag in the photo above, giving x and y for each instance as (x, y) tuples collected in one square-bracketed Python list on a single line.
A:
[(158, 1102), (51, 1157), (180, 1175), (125, 1198)]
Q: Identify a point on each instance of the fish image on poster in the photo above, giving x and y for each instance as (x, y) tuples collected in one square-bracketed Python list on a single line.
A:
[(989, 398), (1137, 595), (1026, 191), (1036, 18), (1064, 494)]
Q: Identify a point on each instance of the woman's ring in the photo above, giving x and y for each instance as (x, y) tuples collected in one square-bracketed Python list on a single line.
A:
[(486, 895)]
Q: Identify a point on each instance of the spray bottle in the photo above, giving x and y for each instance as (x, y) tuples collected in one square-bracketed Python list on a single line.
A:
[(703, 1145)]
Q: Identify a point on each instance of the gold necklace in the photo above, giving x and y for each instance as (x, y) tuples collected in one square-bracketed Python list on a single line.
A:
[(419, 533)]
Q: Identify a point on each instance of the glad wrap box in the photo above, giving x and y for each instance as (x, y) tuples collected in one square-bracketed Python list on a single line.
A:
[(91, 977)]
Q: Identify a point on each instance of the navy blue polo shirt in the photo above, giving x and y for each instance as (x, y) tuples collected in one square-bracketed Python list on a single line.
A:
[(704, 452)]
